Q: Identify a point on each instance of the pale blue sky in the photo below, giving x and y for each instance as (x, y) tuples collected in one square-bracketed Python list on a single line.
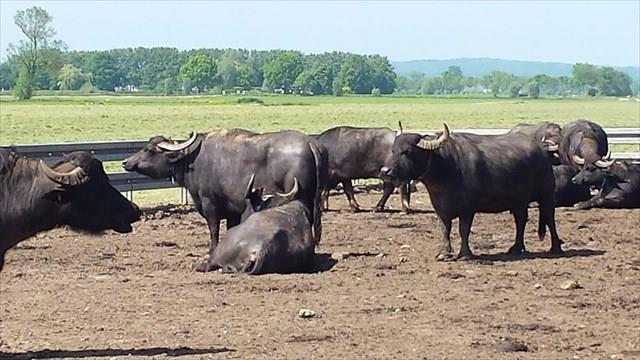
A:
[(598, 32)]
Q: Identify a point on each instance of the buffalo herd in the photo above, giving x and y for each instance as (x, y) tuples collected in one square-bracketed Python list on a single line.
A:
[(271, 188)]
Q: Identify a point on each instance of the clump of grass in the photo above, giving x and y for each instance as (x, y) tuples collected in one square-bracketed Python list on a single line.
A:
[(249, 100)]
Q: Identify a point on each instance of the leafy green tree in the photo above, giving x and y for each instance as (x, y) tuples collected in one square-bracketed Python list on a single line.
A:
[(201, 70), (514, 90), (336, 87), (283, 70), (35, 24), (383, 76), (452, 79), (23, 89), (586, 75), (170, 85), (8, 75), (187, 85), (614, 82), (70, 77), (534, 90), (104, 70), (355, 74)]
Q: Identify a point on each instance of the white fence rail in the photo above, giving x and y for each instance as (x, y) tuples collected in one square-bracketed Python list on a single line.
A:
[(126, 181)]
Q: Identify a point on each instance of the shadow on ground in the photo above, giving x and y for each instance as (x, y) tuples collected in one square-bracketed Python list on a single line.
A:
[(98, 353)]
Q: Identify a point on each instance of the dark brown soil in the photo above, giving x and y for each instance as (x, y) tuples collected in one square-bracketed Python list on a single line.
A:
[(70, 295)]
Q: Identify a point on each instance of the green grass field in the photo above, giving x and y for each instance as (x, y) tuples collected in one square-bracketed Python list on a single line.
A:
[(134, 118), (97, 118)]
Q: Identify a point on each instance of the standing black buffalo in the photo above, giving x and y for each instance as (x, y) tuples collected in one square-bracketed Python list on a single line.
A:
[(359, 153), (583, 142), (617, 184), (467, 173), (275, 236), (76, 192), (213, 166), (547, 134)]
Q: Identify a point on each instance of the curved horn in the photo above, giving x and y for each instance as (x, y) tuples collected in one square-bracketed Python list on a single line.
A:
[(551, 145), (578, 160), (74, 177), (437, 143), (400, 126), (605, 162), (291, 195), (249, 190), (165, 145)]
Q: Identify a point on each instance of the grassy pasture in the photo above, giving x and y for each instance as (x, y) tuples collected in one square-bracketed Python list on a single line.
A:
[(100, 118), (132, 118)]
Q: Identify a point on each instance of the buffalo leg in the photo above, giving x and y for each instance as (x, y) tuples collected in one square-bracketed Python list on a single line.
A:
[(599, 202), (446, 253), (348, 190), (387, 189), (325, 199), (213, 220), (405, 197), (548, 213), (520, 216), (464, 227)]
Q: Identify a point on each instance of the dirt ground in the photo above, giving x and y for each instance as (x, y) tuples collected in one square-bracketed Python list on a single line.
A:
[(69, 295)]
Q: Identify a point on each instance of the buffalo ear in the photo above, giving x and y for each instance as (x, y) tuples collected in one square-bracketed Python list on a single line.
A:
[(175, 156)]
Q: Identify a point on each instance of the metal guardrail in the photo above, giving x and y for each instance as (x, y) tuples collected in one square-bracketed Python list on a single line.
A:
[(129, 182)]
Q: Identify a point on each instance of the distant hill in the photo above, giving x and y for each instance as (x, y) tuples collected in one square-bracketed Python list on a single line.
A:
[(478, 67)]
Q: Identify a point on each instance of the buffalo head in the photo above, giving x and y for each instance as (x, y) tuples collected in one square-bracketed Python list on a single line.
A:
[(85, 199), (158, 157), (410, 155), (258, 201), (595, 174)]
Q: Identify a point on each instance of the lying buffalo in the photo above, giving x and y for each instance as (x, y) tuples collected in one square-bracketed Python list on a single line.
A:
[(617, 184), (547, 134), (359, 153), (76, 192), (212, 167), (567, 193), (467, 173), (584, 139), (275, 236)]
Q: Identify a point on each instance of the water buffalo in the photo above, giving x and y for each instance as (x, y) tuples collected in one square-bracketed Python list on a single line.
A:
[(359, 153), (617, 184), (467, 173), (547, 134), (75, 191), (584, 139), (567, 193), (275, 236), (212, 166)]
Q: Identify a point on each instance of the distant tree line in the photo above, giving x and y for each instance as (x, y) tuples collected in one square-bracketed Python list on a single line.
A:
[(42, 63), (168, 70), (586, 79)]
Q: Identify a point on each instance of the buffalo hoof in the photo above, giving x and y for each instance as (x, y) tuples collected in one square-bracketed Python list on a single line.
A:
[(355, 209), (204, 266), (408, 211), (516, 250), (466, 256), (583, 205), (556, 250), (445, 256), (379, 209)]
